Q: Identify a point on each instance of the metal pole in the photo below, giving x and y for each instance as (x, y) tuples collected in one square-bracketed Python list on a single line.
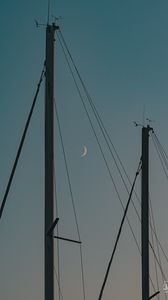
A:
[(49, 160), (145, 213)]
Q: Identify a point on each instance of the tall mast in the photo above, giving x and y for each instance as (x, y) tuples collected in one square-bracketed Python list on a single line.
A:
[(49, 162), (145, 212)]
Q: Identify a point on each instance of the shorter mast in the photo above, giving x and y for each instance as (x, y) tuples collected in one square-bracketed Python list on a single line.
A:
[(145, 212)]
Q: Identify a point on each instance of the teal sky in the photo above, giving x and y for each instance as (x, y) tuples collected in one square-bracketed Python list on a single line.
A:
[(121, 50)]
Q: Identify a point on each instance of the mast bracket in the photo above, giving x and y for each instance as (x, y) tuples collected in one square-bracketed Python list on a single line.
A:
[(68, 240), (50, 230)]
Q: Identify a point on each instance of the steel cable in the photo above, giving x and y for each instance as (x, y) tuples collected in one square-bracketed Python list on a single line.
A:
[(72, 198), (80, 95), (21, 143)]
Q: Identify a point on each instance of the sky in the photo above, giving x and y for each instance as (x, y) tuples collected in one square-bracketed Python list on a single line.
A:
[(121, 51)]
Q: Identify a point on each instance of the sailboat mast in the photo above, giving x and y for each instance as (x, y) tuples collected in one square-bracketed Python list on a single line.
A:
[(145, 212), (49, 162)]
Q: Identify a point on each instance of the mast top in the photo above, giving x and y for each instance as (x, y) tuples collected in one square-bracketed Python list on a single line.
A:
[(53, 26), (148, 127)]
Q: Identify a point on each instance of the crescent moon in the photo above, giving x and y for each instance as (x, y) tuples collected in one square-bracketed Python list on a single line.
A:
[(84, 151)]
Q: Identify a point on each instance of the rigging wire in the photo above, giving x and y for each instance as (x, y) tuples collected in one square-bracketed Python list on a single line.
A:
[(161, 247), (101, 126), (161, 155), (153, 245), (119, 233), (157, 150), (163, 150), (157, 245), (58, 249), (58, 282), (98, 117), (163, 159), (57, 279), (133, 234), (16, 161), (99, 145), (72, 199), (105, 133), (158, 262), (21, 142)]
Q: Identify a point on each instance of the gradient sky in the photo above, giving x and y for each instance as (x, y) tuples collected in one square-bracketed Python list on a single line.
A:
[(121, 50)]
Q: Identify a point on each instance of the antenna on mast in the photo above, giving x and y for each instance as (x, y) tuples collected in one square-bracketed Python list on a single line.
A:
[(56, 19), (143, 115), (149, 121), (48, 14)]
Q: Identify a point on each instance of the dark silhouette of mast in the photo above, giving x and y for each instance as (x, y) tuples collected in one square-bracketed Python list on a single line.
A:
[(49, 162), (145, 212)]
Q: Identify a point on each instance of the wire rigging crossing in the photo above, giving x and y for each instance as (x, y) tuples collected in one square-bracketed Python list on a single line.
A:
[(105, 135), (107, 140), (119, 233)]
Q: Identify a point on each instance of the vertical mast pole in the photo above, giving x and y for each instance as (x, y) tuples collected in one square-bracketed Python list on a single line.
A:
[(49, 160), (145, 213)]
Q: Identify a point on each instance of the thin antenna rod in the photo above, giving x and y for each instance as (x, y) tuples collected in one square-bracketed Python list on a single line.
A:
[(48, 15), (143, 115)]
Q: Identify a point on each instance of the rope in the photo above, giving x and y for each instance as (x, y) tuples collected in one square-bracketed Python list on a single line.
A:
[(21, 143)]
